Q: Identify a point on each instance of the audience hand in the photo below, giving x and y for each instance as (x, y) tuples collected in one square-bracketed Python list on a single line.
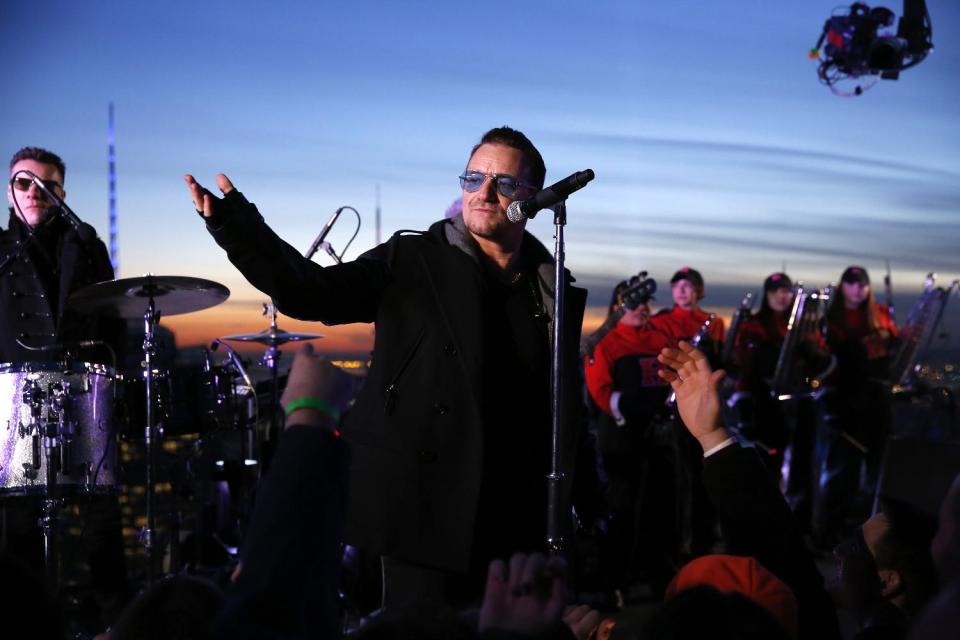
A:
[(698, 399), (312, 376), (527, 598), (582, 620)]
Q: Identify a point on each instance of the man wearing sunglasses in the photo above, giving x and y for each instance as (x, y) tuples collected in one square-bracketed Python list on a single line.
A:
[(450, 435), (55, 263)]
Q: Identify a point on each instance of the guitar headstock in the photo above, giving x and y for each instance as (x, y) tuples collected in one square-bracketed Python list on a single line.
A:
[(640, 290)]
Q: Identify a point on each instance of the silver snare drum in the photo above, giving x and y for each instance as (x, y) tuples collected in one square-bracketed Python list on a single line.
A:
[(61, 412)]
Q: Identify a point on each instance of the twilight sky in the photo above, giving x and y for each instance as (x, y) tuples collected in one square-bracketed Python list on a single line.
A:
[(713, 143)]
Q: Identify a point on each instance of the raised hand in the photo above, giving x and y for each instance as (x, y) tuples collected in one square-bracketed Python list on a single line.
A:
[(312, 376), (203, 200), (698, 399)]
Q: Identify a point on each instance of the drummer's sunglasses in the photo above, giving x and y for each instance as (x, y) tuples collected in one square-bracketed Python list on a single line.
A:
[(507, 185), (23, 184)]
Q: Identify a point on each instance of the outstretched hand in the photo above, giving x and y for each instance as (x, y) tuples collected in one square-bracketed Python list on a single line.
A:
[(527, 597), (203, 200), (696, 387)]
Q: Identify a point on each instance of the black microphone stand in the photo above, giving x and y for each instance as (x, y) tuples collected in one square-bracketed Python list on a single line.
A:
[(555, 540)]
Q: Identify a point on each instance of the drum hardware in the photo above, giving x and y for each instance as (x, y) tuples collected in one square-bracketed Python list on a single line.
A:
[(741, 314), (125, 299), (69, 403), (273, 337), (50, 433), (151, 317), (247, 423)]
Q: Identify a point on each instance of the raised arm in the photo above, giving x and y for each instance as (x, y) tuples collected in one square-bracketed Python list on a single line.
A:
[(291, 553), (348, 292), (754, 517)]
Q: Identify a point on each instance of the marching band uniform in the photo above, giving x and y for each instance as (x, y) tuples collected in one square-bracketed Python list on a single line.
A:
[(761, 417), (638, 450), (780, 429), (679, 323), (855, 408)]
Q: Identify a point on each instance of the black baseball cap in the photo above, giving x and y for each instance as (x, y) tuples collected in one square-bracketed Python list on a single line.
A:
[(690, 274), (777, 281), (855, 274)]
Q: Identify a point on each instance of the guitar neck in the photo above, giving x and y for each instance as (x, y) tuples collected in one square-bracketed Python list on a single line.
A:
[(589, 343)]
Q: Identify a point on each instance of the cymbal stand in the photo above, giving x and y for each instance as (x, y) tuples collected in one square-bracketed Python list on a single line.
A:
[(46, 433), (271, 360), (150, 320)]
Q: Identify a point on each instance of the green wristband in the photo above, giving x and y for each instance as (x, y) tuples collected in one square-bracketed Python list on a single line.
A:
[(313, 403)]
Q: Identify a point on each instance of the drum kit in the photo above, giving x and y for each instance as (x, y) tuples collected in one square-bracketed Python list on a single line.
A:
[(60, 422)]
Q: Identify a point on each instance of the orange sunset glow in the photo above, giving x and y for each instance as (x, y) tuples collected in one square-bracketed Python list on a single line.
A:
[(244, 316)]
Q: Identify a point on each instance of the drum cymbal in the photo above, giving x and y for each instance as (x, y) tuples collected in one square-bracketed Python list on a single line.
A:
[(129, 297), (273, 338)]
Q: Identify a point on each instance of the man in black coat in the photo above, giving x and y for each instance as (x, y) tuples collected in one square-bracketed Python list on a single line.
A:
[(35, 285), (451, 432)]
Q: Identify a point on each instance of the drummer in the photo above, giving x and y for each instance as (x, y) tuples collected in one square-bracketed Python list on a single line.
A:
[(37, 277)]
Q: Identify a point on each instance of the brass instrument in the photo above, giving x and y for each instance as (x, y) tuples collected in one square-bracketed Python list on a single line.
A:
[(695, 342), (919, 329), (742, 312), (790, 379)]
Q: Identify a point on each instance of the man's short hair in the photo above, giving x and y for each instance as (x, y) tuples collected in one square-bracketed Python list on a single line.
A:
[(512, 138), (40, 155)]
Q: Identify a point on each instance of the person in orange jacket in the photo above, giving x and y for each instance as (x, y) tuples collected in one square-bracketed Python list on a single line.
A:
[(685, 319)]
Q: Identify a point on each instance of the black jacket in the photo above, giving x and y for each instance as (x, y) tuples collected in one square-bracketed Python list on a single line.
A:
[(291, 559), (756, 521), (58, 263), (416, 431)]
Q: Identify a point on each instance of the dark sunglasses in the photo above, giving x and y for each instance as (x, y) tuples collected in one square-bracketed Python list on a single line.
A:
[(24, 184), (472, 181)]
